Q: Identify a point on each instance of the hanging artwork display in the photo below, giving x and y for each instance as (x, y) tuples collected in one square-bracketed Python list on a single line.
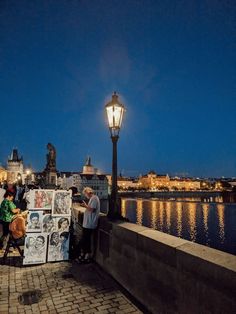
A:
[(55, 223), (35, 249), (63, 224), (48, 223), (34, 221), (40, 199), (62, 203), (58, 246)]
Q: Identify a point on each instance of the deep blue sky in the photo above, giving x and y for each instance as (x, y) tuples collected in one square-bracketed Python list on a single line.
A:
[(172, 62)]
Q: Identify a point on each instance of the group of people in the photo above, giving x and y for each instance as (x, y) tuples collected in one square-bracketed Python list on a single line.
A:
[(10, 213), (11, 219), (19, 192)]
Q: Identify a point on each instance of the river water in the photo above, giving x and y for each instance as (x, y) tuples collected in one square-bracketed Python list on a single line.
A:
[(210, 222)]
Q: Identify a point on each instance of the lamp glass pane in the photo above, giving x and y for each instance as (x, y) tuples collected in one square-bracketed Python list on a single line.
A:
[(110, 116), (114, 114)]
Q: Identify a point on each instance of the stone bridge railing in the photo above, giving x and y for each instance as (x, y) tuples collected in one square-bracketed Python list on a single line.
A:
[(165, 273)]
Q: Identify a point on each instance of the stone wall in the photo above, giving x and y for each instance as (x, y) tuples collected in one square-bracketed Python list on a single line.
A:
[(165, 273)]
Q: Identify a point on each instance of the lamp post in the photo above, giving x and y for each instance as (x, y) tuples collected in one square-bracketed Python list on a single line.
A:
[(115, 111)]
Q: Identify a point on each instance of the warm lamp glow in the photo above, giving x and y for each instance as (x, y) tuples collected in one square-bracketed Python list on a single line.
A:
[(114, 115), (115, 111)]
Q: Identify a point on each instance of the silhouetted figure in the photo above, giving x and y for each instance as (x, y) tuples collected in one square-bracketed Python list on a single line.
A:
[(51, 157)]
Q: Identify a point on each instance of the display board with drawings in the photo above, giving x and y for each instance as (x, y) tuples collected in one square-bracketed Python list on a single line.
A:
[(47, 237), (58, 246), (35, 250), (40, 199), (62, 203), (34, 221)]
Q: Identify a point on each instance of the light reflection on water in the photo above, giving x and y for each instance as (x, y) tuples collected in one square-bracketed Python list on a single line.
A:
[(154, 215), (205, 209), (211, 224), (168, 213), (191, 209), (220, 212), (179, 219), (161, 215)]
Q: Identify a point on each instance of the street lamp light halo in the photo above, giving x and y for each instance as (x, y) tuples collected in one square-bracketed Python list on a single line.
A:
[(115, 111)]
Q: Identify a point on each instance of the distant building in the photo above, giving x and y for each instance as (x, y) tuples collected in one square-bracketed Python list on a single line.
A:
[(98, 182), (88, 168), (3, 175), (15, 168), (124, 183), (67, 180), (89, 177), (152, 181), (187, 184), (233, 183), (64, 180)]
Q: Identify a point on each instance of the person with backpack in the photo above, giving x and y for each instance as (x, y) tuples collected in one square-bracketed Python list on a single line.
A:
[(7, 211), (18, 226)]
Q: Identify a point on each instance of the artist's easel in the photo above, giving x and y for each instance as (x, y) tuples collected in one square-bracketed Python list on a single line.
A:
[(14, 244)]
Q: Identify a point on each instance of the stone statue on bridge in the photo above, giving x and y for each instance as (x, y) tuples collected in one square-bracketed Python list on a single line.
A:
[(51, 158)]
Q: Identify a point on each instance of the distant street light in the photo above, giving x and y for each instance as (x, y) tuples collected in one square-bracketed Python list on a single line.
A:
[(28, 172), (19, 179), (115, 111)]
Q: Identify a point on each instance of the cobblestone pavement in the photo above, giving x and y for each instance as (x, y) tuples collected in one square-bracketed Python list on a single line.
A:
[(66, 288)]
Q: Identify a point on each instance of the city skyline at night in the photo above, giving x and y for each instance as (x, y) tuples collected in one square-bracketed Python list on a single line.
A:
[(172, 64)]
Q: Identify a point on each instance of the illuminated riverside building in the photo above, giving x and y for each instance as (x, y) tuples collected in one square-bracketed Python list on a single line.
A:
[(125, 183), (156, 182), (153, 182), (184, 184)]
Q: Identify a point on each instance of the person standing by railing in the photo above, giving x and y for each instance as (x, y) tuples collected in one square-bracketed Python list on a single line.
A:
[(90, 222)]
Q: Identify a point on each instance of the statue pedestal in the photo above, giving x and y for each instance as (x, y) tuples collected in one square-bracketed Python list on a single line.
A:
[(51, 178)]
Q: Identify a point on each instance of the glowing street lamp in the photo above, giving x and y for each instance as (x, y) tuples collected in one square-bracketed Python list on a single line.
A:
[(115, 111), (18, 181)]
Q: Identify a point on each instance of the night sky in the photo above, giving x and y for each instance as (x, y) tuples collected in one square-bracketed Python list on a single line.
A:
[(173, 63)]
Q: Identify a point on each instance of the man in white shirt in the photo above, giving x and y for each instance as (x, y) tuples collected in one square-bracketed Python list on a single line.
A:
[(90, 222)]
